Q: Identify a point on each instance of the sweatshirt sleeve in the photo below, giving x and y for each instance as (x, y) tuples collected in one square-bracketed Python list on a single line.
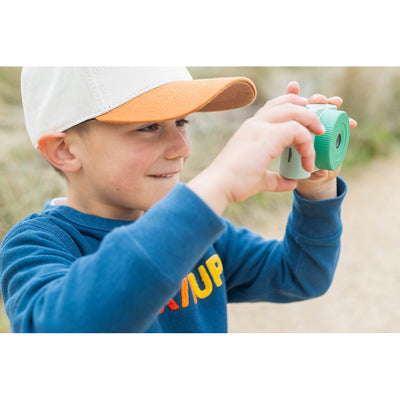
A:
[(119, 288), (299, 267)]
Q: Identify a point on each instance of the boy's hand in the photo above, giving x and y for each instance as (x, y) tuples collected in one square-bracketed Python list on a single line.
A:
[(322, 184), (240, 169)]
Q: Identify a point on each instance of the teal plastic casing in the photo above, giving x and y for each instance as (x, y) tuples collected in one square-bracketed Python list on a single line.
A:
[(330, 148)]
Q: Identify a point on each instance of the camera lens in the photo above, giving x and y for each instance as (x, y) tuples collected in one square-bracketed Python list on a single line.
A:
[(338, 140), (331, 147)]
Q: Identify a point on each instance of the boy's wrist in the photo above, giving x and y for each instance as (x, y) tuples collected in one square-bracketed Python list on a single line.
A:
[(322, 185), (206, 186), (341, 191), (317, 192)]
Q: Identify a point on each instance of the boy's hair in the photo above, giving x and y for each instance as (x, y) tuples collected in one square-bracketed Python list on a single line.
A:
[(56, 99), (81, 128)]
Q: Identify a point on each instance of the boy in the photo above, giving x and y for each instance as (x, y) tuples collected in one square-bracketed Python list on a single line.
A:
[(131, 249)]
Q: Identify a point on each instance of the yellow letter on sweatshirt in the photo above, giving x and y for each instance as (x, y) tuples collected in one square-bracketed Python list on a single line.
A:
[(214, 265), (208, 287)]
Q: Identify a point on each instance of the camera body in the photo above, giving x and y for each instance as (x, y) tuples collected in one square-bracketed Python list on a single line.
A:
[(330, 148)]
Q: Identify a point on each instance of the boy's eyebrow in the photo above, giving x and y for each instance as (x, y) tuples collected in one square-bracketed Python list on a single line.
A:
[(136, 125)]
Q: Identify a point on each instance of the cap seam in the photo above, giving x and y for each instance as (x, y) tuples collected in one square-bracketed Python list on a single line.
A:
[(98, 85)]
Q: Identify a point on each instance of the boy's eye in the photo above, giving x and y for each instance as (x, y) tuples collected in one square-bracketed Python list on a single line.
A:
[(154, 127), (181, 122), (150, 128)]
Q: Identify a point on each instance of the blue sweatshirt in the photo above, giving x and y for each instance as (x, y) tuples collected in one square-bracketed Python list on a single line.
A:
[(172, 270)]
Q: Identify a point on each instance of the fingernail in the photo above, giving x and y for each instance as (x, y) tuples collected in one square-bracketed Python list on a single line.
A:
[(320, 173), (354, 121)]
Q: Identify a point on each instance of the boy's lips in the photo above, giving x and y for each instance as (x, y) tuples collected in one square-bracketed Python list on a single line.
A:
[(165, 174)]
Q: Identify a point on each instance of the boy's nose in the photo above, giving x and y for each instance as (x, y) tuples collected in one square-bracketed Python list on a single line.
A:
[(178, 145)]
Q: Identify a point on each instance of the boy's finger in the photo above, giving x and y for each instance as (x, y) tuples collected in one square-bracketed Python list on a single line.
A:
[(321, 173), (294, 134), (353, 123), (307, 161), (290, 112), (293, 87), (287, 98), (318, 99), (276, 183), (336, 100)]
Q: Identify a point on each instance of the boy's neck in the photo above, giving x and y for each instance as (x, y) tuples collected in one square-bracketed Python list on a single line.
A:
[(86, 204)]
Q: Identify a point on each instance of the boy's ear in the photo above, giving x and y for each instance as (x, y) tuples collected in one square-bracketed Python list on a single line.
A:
[(57, 151)]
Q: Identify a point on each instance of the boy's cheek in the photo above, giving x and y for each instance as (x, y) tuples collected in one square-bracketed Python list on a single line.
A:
[(137, 162)]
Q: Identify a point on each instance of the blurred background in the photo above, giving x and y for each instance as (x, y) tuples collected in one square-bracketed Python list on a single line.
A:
[(365, 295)]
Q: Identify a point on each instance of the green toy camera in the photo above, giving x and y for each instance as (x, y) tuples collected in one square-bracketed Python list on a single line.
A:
[(330, 148)]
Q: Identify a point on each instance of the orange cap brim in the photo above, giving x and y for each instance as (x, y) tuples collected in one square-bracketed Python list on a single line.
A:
[(178, 99)]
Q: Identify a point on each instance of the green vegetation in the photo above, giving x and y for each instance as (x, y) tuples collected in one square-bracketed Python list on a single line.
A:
[(371, 96)]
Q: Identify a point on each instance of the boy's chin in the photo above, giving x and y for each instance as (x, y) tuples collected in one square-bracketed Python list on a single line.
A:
[(164, 190)]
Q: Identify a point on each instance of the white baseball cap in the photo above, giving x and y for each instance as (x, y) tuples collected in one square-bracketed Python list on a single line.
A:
[(57, 98)]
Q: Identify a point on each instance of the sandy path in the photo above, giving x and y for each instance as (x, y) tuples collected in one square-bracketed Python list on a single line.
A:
[(365, 294)]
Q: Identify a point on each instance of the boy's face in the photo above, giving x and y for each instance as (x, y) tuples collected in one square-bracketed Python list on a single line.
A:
[(126, 168)]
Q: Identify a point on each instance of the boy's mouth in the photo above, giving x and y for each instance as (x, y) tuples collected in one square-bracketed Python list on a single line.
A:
[(165, 176)]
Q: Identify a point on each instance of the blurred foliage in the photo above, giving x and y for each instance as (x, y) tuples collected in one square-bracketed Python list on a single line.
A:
[(4, 322), (10, 85), (371, 96)]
